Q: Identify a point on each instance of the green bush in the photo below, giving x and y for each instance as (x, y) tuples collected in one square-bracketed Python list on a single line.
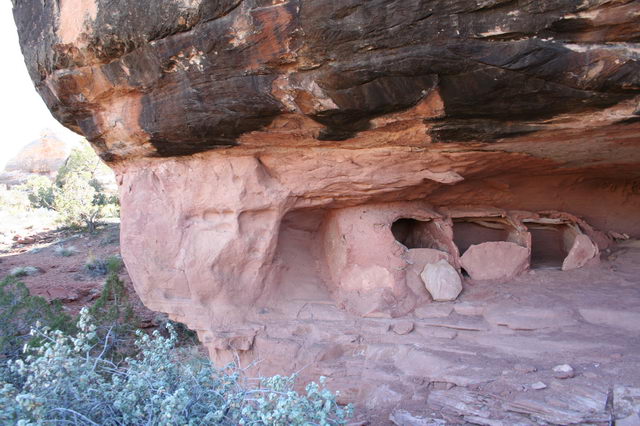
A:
[(67, 251), (40, 191), (68, 380), (114, 313), (23, 271), (78, 194), (19, 311), (74, 201), (96, 266)]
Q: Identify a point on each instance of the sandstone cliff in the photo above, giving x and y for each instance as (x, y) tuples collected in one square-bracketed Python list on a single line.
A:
[(308, 159)]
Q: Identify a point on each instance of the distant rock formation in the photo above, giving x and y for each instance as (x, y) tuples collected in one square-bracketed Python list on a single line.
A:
[(44, 156), (283, 165)]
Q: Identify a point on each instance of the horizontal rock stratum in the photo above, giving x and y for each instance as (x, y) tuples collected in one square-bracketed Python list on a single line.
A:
[(287, 163)]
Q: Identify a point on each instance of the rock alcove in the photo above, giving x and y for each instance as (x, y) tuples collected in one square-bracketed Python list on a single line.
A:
[(287, 170)]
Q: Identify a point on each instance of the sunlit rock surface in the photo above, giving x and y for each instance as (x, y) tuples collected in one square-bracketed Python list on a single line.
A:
[(43, 156)]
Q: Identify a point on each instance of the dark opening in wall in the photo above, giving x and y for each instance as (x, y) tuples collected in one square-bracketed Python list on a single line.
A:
[(470, 231), (413, 233), (549, 246)]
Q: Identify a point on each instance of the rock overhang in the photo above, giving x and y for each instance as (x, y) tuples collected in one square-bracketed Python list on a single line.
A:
[(190, 77)]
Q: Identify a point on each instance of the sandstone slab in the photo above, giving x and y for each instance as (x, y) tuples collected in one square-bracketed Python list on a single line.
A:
[(517, 317), (618, 319), (582, 251), (495, 260)]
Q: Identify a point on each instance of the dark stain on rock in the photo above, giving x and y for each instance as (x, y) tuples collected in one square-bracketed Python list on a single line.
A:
[(206, 73)]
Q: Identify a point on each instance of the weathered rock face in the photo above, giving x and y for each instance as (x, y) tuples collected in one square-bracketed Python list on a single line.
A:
[(307, 160), (43, 156)]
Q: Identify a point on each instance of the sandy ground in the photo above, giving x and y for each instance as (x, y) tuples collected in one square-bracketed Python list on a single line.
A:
[(65, 277)]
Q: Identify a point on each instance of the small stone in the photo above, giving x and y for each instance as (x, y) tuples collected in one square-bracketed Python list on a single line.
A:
[(442, 281), (538, 386), (563, 371), (402, 327)]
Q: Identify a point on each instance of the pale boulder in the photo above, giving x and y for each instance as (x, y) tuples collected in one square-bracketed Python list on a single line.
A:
[(495, 260), (442, 281), (581, 252), (417, 259)]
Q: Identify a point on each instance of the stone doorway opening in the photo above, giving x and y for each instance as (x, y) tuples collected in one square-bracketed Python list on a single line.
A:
[(473, 231), (559, 243), (550, 245), (490, 247), (414, 233)]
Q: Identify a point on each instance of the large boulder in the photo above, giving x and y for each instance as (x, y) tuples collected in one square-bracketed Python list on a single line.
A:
[(43, 156), (266, 150)]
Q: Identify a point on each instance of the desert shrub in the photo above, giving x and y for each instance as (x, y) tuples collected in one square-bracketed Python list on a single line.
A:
[(68, 380), (186, 336), (67, 251), (97, 266), (40, 191), (114, 313), (74, 201), (79, 194), (84, 164), (19, 311), (23, 271)]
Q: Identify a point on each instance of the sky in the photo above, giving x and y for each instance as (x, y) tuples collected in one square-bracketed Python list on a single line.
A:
[(23, 114)]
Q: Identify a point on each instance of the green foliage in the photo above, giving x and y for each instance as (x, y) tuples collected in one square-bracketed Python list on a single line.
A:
[(65, 251), (69, 380), (19, 311), (82, 162), (40, 191), (78, 194), (23, 271), (114, 312), (74, 202), (96, 266), (81, 199)]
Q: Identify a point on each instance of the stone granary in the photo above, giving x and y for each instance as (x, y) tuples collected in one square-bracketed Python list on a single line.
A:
[(403, 196)]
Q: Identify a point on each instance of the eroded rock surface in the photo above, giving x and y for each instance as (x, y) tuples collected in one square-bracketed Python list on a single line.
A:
[(44, 156), (301, 162)]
